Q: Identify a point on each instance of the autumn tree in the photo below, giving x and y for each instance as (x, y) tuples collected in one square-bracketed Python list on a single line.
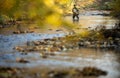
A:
[(116, 8), (42, 12)]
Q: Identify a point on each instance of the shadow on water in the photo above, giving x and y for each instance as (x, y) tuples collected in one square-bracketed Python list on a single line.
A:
[(75, 21)]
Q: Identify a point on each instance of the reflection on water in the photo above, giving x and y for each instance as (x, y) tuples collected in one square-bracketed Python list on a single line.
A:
[(94, 21), (103, 59), (85, 21), (107, 60)]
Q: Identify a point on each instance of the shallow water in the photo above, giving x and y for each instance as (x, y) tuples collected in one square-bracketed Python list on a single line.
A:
[(92, 19), (108, 60)]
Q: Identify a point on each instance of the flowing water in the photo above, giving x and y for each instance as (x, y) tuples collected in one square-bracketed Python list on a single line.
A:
[(94, 19), (108, 60)]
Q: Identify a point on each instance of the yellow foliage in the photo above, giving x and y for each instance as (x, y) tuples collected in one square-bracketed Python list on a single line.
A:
[(6, 5), (47, 12), (53, 20), (62, 1), (83, 3), (49, 3), (84, 33)]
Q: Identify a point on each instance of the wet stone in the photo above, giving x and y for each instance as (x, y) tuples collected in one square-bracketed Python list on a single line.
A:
[(43, 55), (22, 31), (92, 71), (59, 74), (24, 53), (36, 42), (22, 60), (16, 32), (19, 48), (30, 31), (28, 43)]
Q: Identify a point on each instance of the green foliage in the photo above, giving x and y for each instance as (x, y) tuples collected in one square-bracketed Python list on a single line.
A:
[(46, 12), (113, 5), (116, 8), (29, 9), (3, 19), (102, 5)]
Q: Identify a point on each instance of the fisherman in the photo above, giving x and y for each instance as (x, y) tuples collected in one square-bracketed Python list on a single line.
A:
[(75, 13)]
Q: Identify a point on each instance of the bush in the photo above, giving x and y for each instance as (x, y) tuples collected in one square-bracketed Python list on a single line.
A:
[(3, 19)]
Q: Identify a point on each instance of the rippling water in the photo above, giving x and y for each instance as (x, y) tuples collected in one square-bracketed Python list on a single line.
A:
[(108, 60), (88, 20)]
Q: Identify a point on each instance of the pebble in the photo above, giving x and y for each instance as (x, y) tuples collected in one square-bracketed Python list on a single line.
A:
[(21, 60), (19, 48)]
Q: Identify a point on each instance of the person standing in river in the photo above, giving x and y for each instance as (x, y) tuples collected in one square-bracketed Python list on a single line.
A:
[(75, 13)]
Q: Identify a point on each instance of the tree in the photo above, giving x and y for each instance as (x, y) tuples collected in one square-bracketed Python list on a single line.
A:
[(116, 8), (43, 12)]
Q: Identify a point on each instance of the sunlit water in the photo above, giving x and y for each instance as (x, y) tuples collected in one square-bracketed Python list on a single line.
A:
[(87, 20), (108, 60)]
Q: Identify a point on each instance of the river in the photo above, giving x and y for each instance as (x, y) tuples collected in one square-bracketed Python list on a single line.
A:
[(93, 19), (105, 59)]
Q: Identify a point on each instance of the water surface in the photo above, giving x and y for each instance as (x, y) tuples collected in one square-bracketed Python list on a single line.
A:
[(108, 60)]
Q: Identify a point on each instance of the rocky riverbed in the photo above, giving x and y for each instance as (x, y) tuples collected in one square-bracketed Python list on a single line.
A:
[(54, 53), (57, 54)]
